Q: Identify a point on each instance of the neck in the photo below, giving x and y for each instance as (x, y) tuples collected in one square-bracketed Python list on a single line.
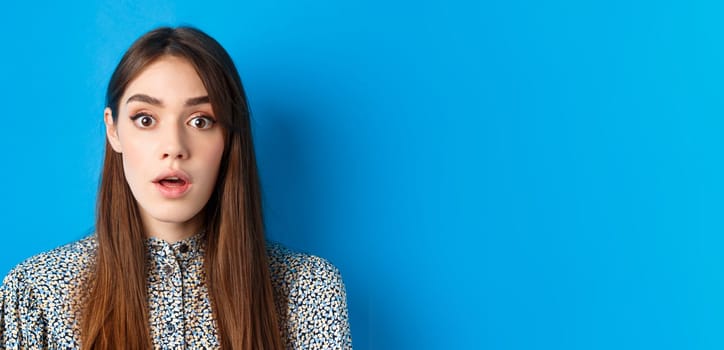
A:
[(172, 231)]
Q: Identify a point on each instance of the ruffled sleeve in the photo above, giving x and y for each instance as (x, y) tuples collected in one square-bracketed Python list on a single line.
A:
[(21, 324)]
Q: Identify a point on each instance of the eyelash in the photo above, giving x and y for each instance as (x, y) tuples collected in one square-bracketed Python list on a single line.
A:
[(138, 116), (210, 120)]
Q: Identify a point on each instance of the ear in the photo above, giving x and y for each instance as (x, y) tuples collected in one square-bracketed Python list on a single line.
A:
[(111, 131)]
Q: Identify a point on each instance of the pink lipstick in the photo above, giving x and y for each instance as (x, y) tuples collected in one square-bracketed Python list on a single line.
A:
[(172, 183)]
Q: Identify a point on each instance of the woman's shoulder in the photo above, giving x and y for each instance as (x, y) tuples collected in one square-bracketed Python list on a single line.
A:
[(63, 263), (311, 298), (294, 266)]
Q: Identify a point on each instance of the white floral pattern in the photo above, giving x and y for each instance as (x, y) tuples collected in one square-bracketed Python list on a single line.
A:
[(39, 298)]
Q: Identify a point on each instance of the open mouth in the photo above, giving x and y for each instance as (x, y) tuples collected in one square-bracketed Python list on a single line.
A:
[(172, 182), (174, 185)]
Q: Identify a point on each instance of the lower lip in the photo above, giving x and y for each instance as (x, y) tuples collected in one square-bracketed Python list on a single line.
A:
[(172, 192)]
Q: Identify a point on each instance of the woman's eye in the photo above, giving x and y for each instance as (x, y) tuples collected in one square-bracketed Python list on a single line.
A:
[(201, 122), (143, 120)]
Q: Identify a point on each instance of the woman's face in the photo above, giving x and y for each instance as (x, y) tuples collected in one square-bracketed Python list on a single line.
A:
[(170, 143)]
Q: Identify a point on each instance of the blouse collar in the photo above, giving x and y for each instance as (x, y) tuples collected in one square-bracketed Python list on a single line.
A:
[(183, 250)]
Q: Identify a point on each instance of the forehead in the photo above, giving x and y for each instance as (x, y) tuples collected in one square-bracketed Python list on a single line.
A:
[(169, 78)]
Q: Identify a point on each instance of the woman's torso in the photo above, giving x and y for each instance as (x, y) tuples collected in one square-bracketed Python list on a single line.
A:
[(42, 297)]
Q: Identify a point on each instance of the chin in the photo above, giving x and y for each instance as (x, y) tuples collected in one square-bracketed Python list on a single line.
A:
[(177, 213), (175, 217)]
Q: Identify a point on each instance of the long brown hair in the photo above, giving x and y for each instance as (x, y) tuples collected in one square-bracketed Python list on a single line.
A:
[(238, 279)]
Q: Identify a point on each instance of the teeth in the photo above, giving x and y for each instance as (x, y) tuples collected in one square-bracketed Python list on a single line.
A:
[(172, 178)]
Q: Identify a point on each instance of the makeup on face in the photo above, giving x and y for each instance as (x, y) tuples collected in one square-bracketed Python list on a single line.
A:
[(171, 145), (173, 183)]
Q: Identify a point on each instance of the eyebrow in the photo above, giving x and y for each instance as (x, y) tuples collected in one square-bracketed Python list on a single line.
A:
[(194, 101)]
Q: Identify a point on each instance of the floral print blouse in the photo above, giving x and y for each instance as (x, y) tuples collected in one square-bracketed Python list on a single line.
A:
[(38, 298)]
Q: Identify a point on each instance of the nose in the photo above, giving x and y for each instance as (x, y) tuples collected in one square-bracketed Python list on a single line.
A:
[(174, 145)]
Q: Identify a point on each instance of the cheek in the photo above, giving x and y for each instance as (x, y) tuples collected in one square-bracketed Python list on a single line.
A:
[(130, 143), (133, 161), (212, 156)]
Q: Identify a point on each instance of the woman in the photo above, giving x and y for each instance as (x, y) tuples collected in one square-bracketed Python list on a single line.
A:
[(179, 257)]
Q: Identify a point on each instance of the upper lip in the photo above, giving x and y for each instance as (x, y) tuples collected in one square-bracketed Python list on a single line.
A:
[(173, 173)]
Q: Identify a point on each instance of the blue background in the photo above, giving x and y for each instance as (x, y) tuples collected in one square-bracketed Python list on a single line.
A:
[(493, 174)]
